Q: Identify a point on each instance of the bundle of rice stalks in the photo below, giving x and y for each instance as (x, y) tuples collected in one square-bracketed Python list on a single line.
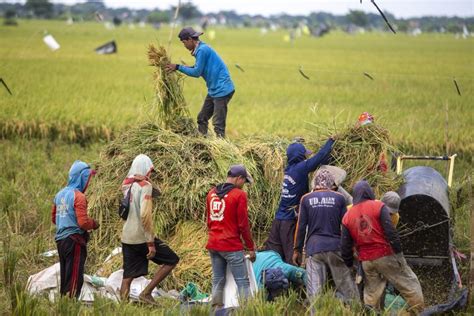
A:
[(189, 241), (171, 105), (186, 169), (359, 150)]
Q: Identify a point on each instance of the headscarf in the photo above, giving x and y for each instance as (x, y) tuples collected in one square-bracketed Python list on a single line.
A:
[(141, 166), (324, 180)]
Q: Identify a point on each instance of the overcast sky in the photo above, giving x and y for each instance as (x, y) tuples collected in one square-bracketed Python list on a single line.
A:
[(400, 8)]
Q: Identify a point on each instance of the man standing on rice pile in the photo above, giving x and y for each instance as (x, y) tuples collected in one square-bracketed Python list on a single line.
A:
[(368, 226), (139, 243), (69, 214), (294, 186), (319, 226), (228, 225), (220, 88)]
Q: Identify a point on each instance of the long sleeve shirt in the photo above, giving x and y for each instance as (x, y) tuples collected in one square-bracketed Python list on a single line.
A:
[(321, 214), (270, 259), (227, 221), (389, 232), (138, 228), (212, 68), (295, 180), (80, 209), (69, 214)]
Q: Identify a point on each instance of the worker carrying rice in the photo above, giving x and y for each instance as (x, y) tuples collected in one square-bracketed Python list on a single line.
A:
[(294, 186), (228, 224), (139, 244), (69, 214), (368, 226), (212, 68), (319, 227)]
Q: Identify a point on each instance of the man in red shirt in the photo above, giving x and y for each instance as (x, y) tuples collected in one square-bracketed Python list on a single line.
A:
[(227, 223), (368, 226)]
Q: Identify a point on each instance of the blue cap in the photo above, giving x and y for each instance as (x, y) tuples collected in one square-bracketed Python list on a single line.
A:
[(239, 171)]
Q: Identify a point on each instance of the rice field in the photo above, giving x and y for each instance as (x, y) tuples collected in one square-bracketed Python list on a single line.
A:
[(70, 104), (413, 80)]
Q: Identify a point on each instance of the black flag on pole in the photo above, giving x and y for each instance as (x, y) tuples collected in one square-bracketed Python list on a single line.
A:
[(5, 85), (107, 48)]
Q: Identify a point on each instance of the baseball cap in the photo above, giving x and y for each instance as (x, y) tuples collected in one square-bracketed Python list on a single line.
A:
[(392, 201), (188, 32), (297, 148), (301, 140), (239, 171)]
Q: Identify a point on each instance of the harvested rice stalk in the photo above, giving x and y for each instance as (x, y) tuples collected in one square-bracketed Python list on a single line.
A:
[(189, 241), (358, 150), (186, 168), (170, 103)]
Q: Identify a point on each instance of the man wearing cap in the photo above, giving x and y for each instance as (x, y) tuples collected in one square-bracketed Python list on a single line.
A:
[(367, 226), (294, 186), (228, 225), (69, 214), (211, 67)]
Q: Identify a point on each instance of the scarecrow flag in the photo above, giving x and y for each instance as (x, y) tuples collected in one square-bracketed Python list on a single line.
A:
[(5, 85), (212, 35), (107, 48), (51, 42)]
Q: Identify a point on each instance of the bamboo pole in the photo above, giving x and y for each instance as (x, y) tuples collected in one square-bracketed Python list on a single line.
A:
[(176, 12)]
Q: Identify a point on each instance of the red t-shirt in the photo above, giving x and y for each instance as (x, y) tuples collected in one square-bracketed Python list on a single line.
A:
[(227, 221), (363, 222)]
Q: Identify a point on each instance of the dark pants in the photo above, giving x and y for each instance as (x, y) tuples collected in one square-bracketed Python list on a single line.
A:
[(282, 239), (217, 109), (135, 262), (72, 257)]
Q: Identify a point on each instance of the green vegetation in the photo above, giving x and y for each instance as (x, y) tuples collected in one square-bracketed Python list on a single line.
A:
[(413, 80), (72, 101)]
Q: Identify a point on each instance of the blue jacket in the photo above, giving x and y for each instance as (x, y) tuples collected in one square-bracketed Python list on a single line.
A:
[(66, 220), (211, 67), (270, 259), (295, 181), (320, 219)]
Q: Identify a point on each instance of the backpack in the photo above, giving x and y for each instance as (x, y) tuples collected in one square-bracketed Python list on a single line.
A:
[(124, 206)]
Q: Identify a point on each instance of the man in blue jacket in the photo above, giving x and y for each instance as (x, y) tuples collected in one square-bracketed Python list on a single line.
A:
[(69, 214), (294, 186), (220, 88)]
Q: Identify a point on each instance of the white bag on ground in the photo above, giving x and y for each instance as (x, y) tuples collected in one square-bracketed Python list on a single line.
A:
[(48, 280), (231, 298), (114, 281), (43, 280)]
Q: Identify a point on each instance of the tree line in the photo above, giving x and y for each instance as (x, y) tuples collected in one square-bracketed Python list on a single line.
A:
[(190, 13)]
